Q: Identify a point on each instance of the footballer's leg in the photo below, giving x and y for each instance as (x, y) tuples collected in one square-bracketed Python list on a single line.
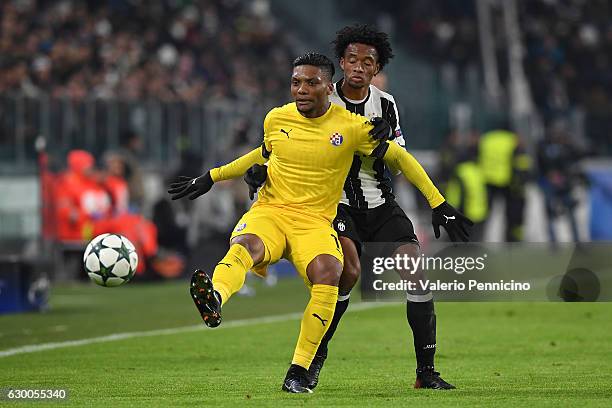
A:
[(396, 227), (324, 273), (348, 236), (317, 256), (228, 277), (256, 240), (348, 280), (421, 317)]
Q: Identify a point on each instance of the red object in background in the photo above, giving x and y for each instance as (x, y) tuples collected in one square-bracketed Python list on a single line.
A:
[(118, 190), (140, 231), (76, 207), (79, 198)]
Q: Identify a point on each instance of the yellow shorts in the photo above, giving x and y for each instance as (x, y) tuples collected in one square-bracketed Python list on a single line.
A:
[(289, 234)]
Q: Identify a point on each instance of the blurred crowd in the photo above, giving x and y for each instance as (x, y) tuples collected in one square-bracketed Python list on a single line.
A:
[(567, 44), (86, 197), (442, 31), (190, 51), (136, 49), (569, 62)]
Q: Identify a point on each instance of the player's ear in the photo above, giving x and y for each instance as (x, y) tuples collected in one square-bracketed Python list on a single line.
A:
[(377, 70), (341, 63), (330, 88)]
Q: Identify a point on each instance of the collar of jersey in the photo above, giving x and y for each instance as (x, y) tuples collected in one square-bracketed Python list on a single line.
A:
[(317, 119), (347, 100)]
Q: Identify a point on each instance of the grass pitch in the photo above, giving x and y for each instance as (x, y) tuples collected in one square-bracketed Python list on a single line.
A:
[(497, 354)]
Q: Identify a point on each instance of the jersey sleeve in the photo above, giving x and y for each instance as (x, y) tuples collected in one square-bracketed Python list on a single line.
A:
[(364, 142), (398, 158), (398, 135), (239, 166)]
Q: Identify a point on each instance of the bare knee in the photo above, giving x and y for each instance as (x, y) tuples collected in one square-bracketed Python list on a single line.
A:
[(253, 244), (350, 276), (352, 266), (411, 250), (324, 270)]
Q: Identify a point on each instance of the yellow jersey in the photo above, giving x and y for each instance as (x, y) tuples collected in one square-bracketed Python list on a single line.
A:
[(309, 160), (311, 157)]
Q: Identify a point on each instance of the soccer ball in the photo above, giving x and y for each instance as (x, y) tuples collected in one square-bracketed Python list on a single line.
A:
[(110, 260)]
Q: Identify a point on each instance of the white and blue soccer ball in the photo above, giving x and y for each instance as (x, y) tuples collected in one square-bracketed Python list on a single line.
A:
[(110, 260)]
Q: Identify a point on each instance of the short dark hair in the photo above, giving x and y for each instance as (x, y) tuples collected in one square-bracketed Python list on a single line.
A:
[(364, 34), (318, 60)]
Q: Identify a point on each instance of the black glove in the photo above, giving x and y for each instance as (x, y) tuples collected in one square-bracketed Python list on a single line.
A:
[(382, 129), (189, 185), (452, 220), (255, 177)]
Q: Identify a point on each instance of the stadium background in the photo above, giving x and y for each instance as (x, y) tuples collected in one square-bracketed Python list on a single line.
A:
[(196, 78), (192, 80)]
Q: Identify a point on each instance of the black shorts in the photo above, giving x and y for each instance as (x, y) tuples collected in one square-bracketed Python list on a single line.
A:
[(385, 223)]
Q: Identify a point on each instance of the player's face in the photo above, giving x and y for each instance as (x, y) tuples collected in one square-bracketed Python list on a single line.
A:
[(360, 64), (310, 90)]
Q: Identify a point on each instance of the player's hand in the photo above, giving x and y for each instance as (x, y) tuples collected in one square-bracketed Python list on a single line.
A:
[(255, 177), (382, 129), (452, 221), (193, 187)]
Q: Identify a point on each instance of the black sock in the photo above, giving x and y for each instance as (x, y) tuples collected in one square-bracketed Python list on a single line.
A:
[(341, 307), (422, 320), (296, 371)]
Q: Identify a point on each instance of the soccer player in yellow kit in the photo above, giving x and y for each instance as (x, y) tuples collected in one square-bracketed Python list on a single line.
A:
[(309, 145)]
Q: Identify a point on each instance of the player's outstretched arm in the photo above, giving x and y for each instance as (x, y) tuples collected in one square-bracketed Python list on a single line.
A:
[(398, 158), (195, 187), (443, 213)]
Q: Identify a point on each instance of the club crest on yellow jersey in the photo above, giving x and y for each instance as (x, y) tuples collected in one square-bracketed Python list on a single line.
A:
[(336, 139)]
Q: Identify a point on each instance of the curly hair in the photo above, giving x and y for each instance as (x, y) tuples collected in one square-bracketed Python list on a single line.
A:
[(317, 60), (364, 34)]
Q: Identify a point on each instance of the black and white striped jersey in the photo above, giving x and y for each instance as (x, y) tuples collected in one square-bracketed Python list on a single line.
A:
[(368, 184)]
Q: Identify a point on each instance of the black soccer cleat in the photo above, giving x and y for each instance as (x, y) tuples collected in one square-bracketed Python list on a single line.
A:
[(427, 377), (206, 299), (315, 369), (296, 381)]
